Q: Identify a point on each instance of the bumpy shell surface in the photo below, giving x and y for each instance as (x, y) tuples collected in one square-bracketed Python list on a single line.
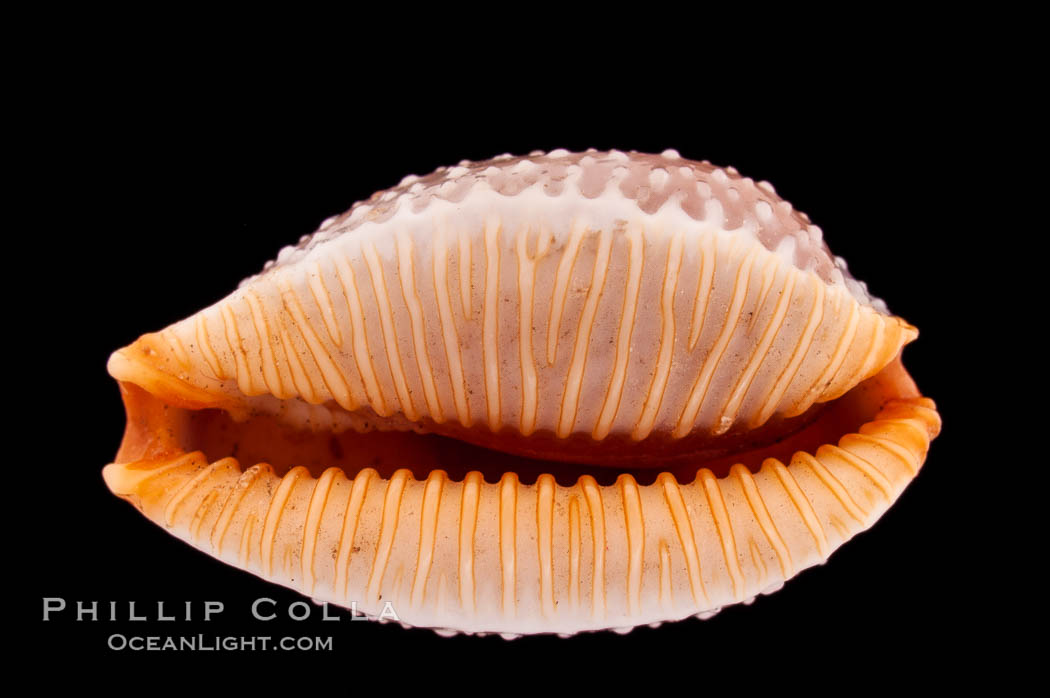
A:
[(578, 297)]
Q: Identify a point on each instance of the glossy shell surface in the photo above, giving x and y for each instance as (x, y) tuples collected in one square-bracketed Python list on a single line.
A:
[(588, 307)]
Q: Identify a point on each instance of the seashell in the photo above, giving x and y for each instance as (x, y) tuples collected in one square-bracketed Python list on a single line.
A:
[(553, 393)]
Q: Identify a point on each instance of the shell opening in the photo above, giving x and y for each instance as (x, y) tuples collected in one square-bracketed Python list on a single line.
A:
[(161, 424)]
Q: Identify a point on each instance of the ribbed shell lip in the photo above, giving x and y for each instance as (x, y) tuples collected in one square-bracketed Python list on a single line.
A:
[(575, 555), (587, 310)]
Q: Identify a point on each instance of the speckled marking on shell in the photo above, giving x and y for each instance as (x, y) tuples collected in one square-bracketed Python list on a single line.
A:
[(705, 193)]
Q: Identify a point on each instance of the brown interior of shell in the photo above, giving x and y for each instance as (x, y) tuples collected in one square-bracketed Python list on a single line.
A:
[(158, 427)]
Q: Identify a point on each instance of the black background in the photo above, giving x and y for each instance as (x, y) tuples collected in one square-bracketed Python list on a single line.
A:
[(161, 200)]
